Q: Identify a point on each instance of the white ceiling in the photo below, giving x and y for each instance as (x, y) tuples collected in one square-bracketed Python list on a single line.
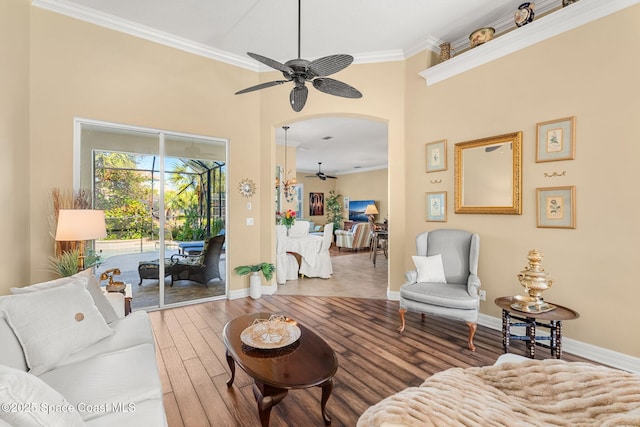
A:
[(369, 30)]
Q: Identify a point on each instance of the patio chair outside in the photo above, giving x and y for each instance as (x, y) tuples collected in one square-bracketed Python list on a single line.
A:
[(202, 268)]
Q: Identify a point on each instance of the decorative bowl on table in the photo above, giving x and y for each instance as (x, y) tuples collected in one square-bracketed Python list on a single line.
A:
[(273, 333)]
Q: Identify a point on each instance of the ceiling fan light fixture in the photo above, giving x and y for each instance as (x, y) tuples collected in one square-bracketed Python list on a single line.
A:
[(301, 70), (288, 185)]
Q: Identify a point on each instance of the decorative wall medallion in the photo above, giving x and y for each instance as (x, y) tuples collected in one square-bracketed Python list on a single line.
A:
[(247, 187)]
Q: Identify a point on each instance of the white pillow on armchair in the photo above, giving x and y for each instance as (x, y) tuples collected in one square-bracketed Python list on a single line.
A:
[(430, 269)]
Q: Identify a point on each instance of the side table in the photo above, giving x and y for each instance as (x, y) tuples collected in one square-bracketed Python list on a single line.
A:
[(551, 320)]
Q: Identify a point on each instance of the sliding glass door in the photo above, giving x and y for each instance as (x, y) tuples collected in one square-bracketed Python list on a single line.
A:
[(164, 197)]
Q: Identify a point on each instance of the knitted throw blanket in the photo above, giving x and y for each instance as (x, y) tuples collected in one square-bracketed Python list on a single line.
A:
[(529, 393)]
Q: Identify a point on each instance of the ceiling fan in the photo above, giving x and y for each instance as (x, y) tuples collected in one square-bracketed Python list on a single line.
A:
[(301, 70), (321, 174)]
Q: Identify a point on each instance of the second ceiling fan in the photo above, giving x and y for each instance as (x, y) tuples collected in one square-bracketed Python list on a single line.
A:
[(321, 174), (301, 70)]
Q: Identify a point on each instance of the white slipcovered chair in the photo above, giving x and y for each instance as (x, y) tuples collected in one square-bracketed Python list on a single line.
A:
[(286, 264), (322, 265), (445, 282), (299, 228)]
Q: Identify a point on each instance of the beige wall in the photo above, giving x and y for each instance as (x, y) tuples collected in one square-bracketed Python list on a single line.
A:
[(593, 265), (14, 140), (81, 70)]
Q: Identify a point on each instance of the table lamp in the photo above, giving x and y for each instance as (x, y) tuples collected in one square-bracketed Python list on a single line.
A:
[(371, 211), (80, 225)]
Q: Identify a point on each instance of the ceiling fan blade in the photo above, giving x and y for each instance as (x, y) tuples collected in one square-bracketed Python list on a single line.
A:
[(261, 86), (332, 177), (271, 63), (328, 65), (298, 97), (335, 87)]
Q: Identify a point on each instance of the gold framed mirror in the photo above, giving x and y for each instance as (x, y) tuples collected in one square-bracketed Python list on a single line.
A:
[(488, 175)]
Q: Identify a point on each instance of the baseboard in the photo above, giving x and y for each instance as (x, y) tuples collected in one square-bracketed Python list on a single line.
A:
[(270, 290), (591, 352), (393, 295), (244, 292), (239, 293)]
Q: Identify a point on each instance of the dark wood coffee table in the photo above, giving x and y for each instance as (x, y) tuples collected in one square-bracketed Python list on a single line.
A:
[(309, 362)]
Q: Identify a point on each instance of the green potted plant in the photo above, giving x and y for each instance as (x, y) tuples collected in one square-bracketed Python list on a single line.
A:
[(68, 262), (255, 283), (334, 210)]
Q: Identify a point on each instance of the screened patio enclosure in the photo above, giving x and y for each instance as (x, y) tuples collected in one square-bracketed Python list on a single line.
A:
[(163, 194)]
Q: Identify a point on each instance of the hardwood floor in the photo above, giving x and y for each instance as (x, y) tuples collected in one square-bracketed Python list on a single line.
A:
[(374, 360)]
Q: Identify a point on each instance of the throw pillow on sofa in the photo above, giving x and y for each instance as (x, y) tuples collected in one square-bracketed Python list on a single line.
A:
[(29, 401), (93, 286), (53, 323)]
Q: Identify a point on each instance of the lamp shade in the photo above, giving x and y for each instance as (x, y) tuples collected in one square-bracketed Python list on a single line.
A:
[(371, 210), (80, 225)]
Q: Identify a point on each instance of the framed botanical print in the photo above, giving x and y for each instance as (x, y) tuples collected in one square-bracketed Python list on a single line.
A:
[(556, 207), (436, 206), (556, 140), (436, 156)]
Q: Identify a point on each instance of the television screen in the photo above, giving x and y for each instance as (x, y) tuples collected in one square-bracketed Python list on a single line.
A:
[(357, 208)]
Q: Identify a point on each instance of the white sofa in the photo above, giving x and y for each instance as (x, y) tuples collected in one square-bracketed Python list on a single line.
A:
[(70, 357)]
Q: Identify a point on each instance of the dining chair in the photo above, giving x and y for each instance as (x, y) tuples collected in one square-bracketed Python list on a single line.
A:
[(299, 228), (322, 263), (286, 264)]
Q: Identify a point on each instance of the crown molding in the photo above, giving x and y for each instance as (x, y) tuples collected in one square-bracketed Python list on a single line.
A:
[(382, 56), (118, 24), (562, 20), (548, 26)]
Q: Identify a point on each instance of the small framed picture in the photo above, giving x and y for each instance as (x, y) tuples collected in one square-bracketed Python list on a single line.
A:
[(556, 207), (556, 140), (437, 206), (436, 156)]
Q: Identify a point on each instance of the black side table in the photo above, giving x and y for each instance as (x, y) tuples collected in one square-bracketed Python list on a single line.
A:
[(553, 320)]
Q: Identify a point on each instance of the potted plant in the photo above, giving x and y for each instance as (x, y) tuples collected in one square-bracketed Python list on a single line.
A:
[(255, 283), (334, 210), (68, 262)]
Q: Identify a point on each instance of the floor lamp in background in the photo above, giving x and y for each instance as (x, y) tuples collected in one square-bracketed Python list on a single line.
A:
[(80, 225)]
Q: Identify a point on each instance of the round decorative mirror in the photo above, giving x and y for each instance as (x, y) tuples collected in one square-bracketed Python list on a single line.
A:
[(247, 187)]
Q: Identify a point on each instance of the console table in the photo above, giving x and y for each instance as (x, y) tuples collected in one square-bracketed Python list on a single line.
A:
[(551, 320)]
